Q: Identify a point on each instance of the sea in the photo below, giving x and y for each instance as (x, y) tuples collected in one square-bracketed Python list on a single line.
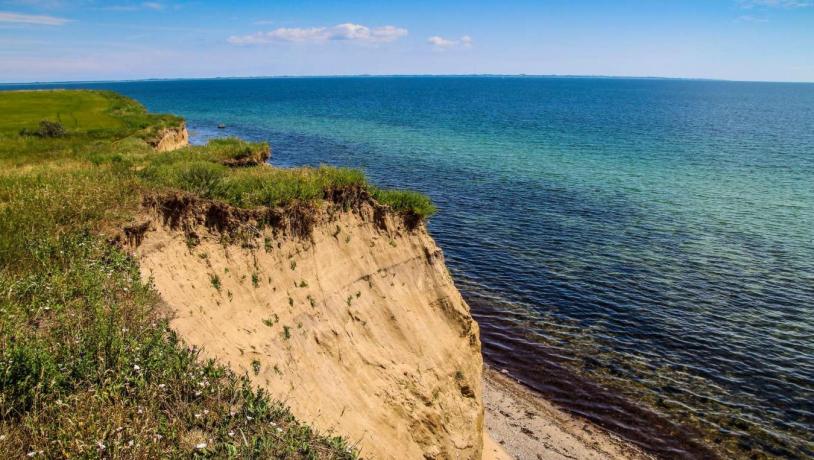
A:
[(638, 251)]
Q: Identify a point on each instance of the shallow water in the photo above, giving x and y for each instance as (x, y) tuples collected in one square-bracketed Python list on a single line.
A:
[(640, 251)]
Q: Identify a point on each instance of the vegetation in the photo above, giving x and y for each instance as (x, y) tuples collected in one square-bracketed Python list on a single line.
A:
[(88, 364)]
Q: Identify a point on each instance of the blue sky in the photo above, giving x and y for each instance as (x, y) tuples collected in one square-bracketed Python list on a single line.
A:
[(53, 40)]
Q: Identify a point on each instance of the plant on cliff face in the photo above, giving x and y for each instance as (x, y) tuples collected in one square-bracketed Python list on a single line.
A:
[(214, 280)]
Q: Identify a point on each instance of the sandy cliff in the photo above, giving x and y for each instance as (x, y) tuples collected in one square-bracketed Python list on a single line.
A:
[(351, 318), (171, 138)]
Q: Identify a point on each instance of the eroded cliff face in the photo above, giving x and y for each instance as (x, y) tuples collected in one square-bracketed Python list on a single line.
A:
[(168, 139), (357, 326)]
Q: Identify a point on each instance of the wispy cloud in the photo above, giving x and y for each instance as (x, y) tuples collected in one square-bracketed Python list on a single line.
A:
[(154, 6), (445, 43), (340, 32), (787, 4), (750, 18), (33, 19)]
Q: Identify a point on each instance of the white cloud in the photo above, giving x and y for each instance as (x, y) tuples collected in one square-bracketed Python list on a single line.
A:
[(340, 32), (153, 5), (788, 4), (445, 43), (19, 18)]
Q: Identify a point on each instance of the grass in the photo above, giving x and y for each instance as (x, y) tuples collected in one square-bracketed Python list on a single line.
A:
[(88, 364)]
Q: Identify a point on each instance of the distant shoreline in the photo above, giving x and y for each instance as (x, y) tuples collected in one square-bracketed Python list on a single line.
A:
[(486, 75)]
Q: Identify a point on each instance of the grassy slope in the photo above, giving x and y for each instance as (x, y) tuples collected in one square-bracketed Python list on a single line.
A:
[(88, 366)]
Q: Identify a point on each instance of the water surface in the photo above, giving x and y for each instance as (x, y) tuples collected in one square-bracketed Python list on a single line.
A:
[(639, 251)]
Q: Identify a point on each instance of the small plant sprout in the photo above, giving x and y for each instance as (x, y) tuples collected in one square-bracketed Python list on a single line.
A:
[(271, 321), (255, 280), (286, 332), (303, 284), (215, 281), (293, 264), (256, 366)]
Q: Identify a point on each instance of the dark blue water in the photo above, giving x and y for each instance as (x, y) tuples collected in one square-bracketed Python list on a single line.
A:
[(640, 251)]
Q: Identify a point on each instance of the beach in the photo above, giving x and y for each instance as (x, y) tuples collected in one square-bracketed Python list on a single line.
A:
[(522, 425)]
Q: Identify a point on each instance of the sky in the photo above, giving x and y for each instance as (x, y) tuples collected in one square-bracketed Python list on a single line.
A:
[(54, 40)]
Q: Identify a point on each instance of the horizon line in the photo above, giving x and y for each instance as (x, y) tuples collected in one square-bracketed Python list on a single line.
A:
[(364, 75)]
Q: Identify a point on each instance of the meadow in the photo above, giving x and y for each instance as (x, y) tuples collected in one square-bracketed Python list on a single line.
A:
[(88, 364)]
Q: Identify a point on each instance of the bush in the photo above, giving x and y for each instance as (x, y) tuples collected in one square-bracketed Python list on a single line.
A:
[(50, 129)]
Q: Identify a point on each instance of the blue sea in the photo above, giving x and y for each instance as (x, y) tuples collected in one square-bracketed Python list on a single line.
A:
[(640, 251)]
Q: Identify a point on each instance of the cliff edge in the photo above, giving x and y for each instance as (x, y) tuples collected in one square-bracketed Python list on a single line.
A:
[(355, 324)]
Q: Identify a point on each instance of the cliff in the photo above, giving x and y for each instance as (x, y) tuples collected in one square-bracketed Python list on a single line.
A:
[(170, 138), (354, 321)]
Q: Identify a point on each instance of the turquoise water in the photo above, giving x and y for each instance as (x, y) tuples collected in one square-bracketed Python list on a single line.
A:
[(640, 251)]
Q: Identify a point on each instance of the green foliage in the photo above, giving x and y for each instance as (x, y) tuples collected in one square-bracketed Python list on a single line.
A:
[(406, 201), (214, 280), (88, 365), (81, 336)]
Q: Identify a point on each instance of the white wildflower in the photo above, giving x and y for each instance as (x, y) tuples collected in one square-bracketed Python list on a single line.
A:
[(201, 446)]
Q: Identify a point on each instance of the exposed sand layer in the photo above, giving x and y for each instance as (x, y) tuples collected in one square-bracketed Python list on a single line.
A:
[(528, 427), (359, 329), (171, 139)]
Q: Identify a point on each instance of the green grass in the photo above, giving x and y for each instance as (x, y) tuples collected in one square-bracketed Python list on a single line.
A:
[(88, 364), (76, 111)]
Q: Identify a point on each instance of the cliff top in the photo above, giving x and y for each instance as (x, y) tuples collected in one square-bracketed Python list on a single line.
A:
[(88, 364)]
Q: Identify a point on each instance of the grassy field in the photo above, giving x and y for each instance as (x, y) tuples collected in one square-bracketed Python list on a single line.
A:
[(25, 109), (88, 365)]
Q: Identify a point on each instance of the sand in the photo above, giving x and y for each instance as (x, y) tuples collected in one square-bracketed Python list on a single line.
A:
[(523, 426), (359, 329)]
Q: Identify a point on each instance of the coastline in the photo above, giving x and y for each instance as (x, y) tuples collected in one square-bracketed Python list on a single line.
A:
[(520, 424)]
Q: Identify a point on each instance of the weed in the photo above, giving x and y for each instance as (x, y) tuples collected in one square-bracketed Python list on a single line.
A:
[(271, 321), (215, 281)]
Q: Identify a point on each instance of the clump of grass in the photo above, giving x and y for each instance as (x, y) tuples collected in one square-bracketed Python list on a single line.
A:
[(303, 284), (286, 332), (256, 366), (214, 280), (255, 280), (271, 321), (406, 201)]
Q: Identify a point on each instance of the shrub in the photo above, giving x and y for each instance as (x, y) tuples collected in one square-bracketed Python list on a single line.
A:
[(50, 129)]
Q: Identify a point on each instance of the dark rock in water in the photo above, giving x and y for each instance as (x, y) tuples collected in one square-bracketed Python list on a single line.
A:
[(221, 126)]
